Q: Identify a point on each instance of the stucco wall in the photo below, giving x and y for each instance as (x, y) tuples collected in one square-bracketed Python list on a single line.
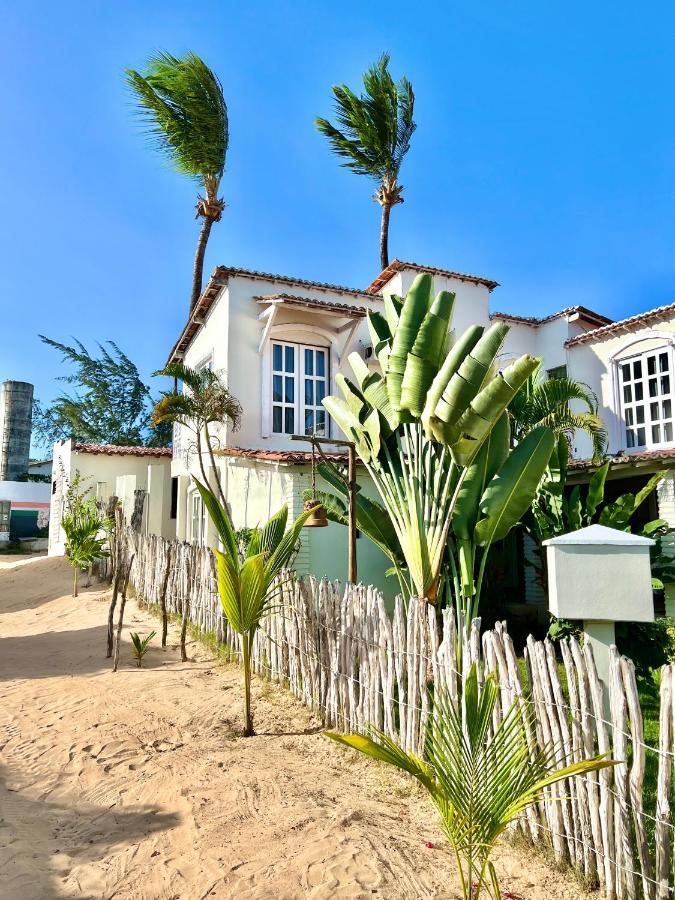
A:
[(255, 490), (100, 473), (595, 365)]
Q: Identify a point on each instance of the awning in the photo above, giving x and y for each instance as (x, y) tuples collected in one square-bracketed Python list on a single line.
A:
[(337, 318)]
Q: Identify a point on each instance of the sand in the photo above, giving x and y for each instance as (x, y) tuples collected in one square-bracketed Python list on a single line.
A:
[(137, 785)]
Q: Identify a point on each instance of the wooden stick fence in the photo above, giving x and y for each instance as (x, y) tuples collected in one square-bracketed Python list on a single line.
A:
[(339, 651)]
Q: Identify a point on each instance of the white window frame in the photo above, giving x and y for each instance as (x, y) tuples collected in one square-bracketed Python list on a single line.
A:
[(300, 376), (198, 516), (659, 428)]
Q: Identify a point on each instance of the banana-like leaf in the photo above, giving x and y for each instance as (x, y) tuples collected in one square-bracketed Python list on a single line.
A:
[(393, 304), (341, 413), (220, 518), (491, 458), (415, 308), (574, 509), (451, 364), (466, 383), (510, 492), (596, 489), (426, 355), (487, 407), (374, 390), (380, 335)]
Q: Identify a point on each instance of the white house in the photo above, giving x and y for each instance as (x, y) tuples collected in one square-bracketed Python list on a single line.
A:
[(108, 470), (279, 342)]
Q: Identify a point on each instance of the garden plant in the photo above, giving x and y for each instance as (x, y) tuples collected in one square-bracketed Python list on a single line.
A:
[(479, 780), (141, 645), (248, 585), (204, 401), (432, 430), (87, 530)]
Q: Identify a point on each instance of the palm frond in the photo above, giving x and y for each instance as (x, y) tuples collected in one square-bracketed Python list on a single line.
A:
[(181, 106), (372, 131)]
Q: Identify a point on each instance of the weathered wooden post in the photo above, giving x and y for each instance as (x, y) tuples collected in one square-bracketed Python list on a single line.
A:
[(601, 576)]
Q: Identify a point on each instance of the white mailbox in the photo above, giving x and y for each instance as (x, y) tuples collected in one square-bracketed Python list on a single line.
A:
[(602, 576)]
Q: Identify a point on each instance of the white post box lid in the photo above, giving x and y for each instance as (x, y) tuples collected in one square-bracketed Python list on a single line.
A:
[(600, 534)]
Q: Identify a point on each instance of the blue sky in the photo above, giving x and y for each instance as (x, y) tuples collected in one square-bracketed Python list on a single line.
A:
[(544, 158)]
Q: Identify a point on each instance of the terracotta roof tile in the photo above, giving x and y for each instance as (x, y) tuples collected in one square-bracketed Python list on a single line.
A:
[(583, 312), (398, 265), (349, 309), (116, 450), (292, 457), (225, 271), (597, 334), (219, 279), (627, 458)]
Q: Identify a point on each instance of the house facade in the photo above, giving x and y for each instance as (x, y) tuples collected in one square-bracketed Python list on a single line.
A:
[(105, 471), (279, 343)]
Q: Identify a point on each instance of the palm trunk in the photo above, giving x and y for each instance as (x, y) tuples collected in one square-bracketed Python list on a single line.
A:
[(384, 236), (76, 580), (215, 470), (198, 271), (246, 648)]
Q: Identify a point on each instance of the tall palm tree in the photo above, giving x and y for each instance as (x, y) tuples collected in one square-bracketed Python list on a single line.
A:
[(181, 102), (373, 135), (547, 402), (206, 402)]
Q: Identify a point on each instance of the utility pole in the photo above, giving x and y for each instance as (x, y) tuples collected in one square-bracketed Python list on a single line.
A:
[(351, 488)]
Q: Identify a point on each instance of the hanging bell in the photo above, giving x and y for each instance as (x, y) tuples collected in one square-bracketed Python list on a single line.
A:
[(318, 517)]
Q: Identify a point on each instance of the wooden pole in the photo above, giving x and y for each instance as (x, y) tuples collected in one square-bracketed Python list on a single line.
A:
[(351, 484)]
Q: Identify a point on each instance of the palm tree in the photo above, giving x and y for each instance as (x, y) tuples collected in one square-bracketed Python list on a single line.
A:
[(248, 587), (206, 402), (181, 102), (373, 135), (547, 402), (479, 783)]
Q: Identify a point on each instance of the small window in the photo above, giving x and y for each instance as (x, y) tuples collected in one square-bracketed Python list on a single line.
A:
[(198, 521), (557, 372), (174, 498)]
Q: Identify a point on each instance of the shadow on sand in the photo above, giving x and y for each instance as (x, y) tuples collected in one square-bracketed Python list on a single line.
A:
[(42, 841), (40, 581)]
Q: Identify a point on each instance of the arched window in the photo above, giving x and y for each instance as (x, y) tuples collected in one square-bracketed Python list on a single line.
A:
[(646, 393)]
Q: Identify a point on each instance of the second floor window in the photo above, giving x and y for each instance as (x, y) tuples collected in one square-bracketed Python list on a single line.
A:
[(646, 393), (299, 384)]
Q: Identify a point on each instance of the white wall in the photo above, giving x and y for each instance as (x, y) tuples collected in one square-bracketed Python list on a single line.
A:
[(595, 364), (100, 473)]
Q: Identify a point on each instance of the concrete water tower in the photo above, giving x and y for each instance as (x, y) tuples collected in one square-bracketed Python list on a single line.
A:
[(16, 420)]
